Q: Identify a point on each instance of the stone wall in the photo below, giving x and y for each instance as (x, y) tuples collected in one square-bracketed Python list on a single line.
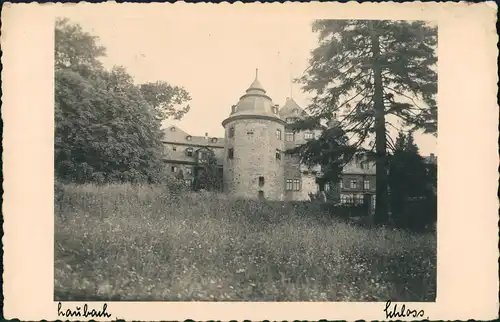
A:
[(254, 144)]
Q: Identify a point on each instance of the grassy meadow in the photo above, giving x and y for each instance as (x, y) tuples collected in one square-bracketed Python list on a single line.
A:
[(124, 242)]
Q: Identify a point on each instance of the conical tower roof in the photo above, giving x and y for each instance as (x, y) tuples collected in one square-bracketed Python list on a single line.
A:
[(255, 102), (256, 85)]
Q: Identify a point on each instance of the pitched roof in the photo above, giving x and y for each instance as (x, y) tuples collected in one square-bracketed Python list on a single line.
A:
[(174, 134), (291, 108)]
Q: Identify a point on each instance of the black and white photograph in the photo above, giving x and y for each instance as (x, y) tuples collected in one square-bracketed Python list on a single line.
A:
[(249, 159)]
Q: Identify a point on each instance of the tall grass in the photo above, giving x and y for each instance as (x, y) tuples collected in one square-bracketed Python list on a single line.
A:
[(123, 242)]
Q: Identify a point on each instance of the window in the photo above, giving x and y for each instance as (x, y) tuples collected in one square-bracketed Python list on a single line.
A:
[(230, 153), (173, 168), (214, 140), (289, 184), (309, 135), (261, 181), (291, 120), (278, 154), (296, 184), (188, 137), (353, 184), (289, 136), (261, 195), (189, 152), (202, 156), (231, 132), (249, 132), (341, 184), (278, 134), (188, 182), (189, 170), (172, 129), (364, 165), (174, 148), (366, 184)]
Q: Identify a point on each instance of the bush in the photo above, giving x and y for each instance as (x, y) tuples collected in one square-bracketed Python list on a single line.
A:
[(415, 214)]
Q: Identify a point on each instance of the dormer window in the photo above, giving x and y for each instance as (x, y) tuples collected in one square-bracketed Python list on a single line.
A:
[(291, 120), (214, 140), (295, 110), (188, 137), (172, 129)]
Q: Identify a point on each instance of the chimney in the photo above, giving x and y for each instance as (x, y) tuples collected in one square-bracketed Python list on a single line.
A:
[(206, 135)]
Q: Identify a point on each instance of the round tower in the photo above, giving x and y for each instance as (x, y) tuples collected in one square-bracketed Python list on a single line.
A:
[(254, 147)]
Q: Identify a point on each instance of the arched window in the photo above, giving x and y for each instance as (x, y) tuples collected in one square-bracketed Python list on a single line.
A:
[(214, 140), (188, 137)]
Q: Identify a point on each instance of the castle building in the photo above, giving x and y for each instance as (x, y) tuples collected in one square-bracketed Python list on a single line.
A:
[(250, 160)]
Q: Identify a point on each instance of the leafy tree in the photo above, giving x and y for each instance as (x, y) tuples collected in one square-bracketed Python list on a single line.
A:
[(180, 175), (371, 73), (331, 150), (208, 175), (76, 49), (166, 99), (105, 130)]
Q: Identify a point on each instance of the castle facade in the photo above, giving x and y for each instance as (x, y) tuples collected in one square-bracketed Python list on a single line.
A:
[(251, 161)]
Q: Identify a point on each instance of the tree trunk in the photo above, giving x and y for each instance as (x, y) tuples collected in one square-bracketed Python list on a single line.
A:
[(381, 208)]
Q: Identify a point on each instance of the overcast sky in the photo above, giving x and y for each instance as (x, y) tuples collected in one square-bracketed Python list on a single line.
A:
[(212, 54)]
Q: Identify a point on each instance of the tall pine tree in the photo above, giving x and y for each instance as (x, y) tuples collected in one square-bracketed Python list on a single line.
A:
[(371, 73)]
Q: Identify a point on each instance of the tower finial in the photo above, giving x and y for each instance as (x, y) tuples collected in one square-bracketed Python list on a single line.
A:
[(256, 73), (291, 80)]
